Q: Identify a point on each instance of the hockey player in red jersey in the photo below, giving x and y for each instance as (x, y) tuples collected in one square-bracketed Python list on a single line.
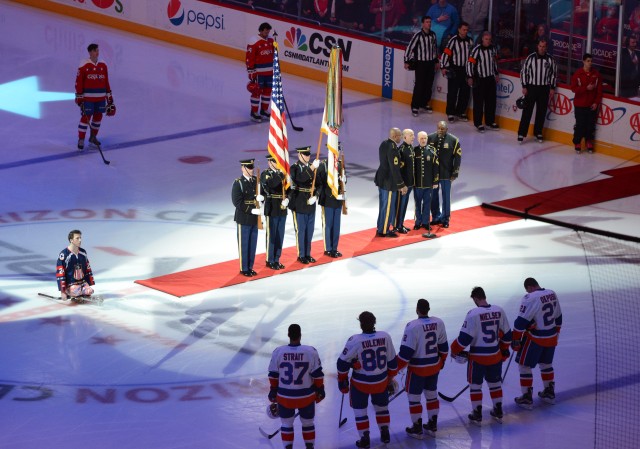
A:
[(260, 71), (93, 95), (535, 337), (73, 271), (372, 358), (486, 330), (297, 382)]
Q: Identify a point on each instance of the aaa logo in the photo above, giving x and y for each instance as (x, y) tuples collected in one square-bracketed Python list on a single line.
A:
[(560, 104), (175, 12), (295, 39), (634, 121), (605, 115)]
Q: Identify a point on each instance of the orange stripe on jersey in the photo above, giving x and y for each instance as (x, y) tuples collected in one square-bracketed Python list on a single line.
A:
[(370, 388), (425, 370), (296, 402), (489, 359)]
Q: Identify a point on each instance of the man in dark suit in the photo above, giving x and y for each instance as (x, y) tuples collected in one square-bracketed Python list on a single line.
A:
[(389, 181)]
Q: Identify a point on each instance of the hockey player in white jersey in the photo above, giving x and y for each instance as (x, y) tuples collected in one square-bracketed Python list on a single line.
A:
[(424, 350), (535, 337), (297, 382), (486, 331), (372, 359)]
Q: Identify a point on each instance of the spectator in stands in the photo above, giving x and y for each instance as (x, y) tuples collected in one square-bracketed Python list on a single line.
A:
[(445, 20), (349, 14), (323, 11), (538, 34), (393, 11), (504, 35), (630, 68), (475, 13), (634, 20), (607, 27)]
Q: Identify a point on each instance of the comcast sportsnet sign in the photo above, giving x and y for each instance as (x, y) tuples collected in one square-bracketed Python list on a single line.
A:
[(315, 48), (177, 13), (105, 4)]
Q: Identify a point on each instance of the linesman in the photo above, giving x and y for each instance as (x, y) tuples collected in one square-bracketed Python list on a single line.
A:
[(423, 49), (482, 76)]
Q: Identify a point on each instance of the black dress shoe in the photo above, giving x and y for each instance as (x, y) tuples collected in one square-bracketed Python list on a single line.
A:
[(401, 230), (253, 273), (328, 253), (246, 273), (311, 259), (445, 225), (405, 229), (270, 265), (436, 222), (337, 254), (380, 234), (303, 260), (392, 234), (416, 226), (280, 266)]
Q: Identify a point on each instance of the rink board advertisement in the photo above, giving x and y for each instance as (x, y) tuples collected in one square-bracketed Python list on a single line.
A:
[(373, 67)]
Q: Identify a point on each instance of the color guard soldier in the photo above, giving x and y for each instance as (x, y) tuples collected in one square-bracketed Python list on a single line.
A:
[(275, 211), (331, 209), (245, 198), (303, 204)]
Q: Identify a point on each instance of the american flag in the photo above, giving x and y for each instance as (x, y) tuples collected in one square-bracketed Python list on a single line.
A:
[(278, 143)]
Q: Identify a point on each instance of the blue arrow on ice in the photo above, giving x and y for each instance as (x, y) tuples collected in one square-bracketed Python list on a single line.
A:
[(23, 97)]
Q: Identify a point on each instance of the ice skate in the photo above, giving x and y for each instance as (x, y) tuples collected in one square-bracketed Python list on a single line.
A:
[(94, 140), (364, 442), (384, 434), (548, 395), (475, 417), (80, 144), (496, 413), (415, 431), (526, 400), (431, 427)]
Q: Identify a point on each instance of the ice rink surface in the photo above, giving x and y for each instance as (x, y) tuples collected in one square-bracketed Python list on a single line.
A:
[(149, 370)]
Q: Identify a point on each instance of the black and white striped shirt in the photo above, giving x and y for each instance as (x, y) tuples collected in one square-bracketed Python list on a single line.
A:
[(482, 62), (456, 52), (539, 71), (422, 47)]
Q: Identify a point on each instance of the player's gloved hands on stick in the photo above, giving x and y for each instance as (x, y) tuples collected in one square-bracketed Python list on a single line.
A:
[(273, 393), (505, 354), (320, 395), (343, 385)]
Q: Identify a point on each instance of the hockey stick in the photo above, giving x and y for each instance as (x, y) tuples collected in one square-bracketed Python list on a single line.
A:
[(271, 435), (451, 399), (341, 421), (92, 299), (295, 128), (102, 155)]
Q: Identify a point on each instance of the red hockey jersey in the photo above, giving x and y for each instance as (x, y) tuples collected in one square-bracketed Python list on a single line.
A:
[(92, 81), (260, 56)]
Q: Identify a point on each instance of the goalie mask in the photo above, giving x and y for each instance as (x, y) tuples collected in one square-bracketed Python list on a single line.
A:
[(272, 411), (254, 88), (111, 110)]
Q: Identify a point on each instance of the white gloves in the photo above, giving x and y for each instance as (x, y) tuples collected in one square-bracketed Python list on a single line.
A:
[(311, 201), (340, 197), (260, 198), (256, 211), (316, 163), (342, 178), (285, 202)]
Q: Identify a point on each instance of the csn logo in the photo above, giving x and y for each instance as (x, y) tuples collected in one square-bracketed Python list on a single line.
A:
[(317, 43), (175, 12), (560, 104), (504, 88), (106, 4)]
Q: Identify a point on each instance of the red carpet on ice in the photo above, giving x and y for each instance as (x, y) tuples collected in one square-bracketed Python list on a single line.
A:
[(623, 183)]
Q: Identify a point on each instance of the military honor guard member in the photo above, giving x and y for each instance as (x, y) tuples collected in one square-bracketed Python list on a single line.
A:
[(273, 181), (247, 201), (331, 209), (303, 204)]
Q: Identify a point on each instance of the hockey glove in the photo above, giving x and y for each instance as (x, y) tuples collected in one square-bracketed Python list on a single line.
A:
[(343, 385), (273, 394), (515, 345), (79, 99), (109, 98), (111, 110), (320, 394), (505, 354), (252, 75)]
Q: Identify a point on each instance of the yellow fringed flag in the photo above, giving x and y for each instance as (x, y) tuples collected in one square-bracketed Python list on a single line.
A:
[(332, 116)]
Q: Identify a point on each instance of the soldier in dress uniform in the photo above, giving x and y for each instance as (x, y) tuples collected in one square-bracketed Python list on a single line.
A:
[(331, 208), (302, 203), (248, 212), (449, 155), (406, 170), (273, 181), (426, 179)]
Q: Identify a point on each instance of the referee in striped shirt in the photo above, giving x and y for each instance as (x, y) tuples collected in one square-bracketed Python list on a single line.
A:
[(454, 60), (423, 49), (538, 78), (482, 76)]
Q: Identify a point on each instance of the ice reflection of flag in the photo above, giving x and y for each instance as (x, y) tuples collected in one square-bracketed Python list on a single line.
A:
[(332, 116), (278, 145)]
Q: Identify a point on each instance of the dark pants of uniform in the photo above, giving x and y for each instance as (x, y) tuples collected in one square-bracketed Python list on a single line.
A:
[(422, 198), (247, 243), (445, 188), (402, 201), (386, 209), (538, 97), (423, 87), (531, 353), (303, 224), (585, 124), (458, 92), (331, 227), (477, 373), (275, 237), (484, 101)]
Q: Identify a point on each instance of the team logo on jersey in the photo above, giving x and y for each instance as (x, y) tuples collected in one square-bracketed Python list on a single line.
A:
[(295, 39), (175, 12), (560, 104)]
